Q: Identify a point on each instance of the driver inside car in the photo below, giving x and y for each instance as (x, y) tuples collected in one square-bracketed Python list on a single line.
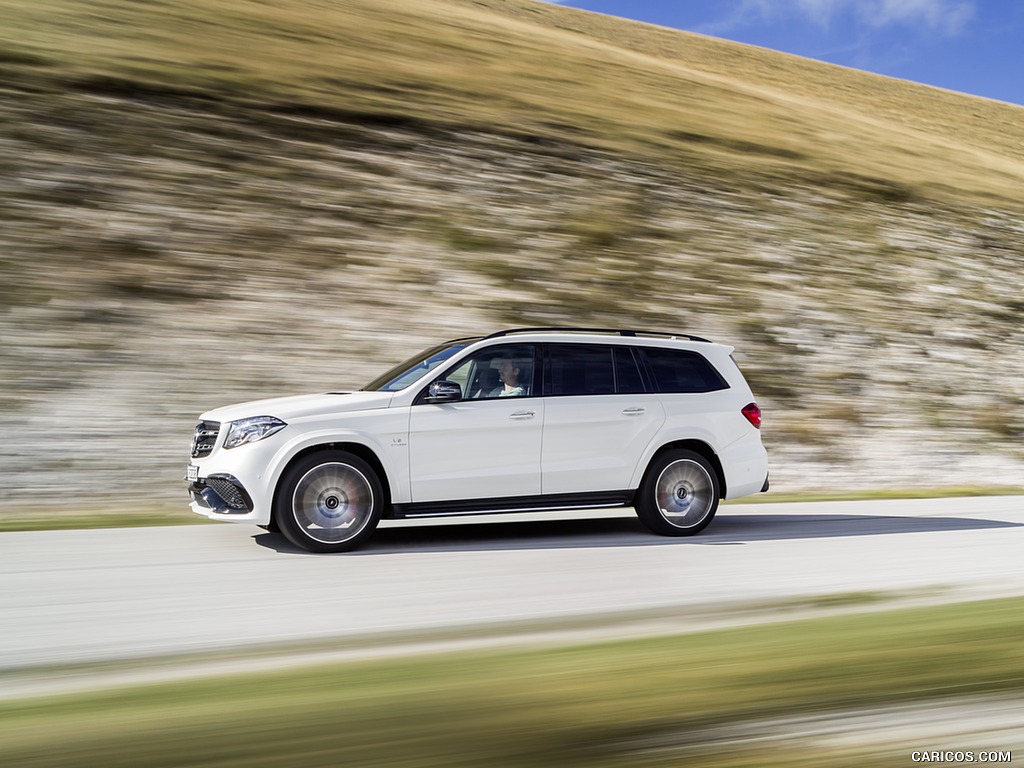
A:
[(508, 374)]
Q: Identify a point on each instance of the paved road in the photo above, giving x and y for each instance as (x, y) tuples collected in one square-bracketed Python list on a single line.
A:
[(77, 596)]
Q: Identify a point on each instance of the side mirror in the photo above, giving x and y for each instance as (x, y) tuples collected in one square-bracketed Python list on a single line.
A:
[(444, 392)]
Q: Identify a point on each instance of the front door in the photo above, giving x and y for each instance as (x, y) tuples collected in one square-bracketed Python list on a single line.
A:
[(488, 445)]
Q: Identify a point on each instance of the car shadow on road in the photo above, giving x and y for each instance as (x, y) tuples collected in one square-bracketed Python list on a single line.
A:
[(727, 530)]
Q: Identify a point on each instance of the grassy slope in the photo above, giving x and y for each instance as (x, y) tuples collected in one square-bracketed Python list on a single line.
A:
[(989, 130), (634, 703), (526, 67)]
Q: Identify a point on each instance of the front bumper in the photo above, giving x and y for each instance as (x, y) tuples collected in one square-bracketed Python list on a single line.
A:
[(220, 494), (236, 484)]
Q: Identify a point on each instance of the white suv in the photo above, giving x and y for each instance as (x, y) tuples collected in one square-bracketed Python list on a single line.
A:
[(524, 419)]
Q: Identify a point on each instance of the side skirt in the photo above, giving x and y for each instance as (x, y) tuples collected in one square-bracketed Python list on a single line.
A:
[(512, 504)]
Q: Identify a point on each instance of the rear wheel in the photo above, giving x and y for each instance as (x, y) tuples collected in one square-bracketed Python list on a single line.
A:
[(329, 502), (679, 494)]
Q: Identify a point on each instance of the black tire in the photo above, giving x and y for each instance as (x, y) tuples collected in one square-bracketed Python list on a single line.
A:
[(679, 494), (330, 501)]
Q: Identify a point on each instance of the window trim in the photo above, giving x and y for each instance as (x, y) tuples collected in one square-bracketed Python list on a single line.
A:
[(645, 380)]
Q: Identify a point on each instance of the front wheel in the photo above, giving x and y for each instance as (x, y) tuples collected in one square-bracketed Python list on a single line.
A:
[(679, 494), (329, 502)]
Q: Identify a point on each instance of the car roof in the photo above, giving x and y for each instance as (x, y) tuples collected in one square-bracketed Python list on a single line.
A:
[(573, 334), (631, 333)]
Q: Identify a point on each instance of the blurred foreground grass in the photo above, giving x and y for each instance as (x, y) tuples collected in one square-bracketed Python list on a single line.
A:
[(649, 702), (40, 520)]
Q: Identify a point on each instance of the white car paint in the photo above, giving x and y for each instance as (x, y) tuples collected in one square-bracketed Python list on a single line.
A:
[(502, 448)]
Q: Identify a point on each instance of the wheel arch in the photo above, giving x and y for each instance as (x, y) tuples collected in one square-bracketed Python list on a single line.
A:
[(357, 449), (699, 447)]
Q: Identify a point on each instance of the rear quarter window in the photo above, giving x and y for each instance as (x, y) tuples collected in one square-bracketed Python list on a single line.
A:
[(677, 370)]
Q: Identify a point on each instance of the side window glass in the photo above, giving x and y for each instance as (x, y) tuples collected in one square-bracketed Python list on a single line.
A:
[(682, 371), (460, 376), (505, 371), (627, 374), (580, 369)]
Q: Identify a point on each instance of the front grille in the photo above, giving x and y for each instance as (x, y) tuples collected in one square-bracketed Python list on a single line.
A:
[(204, 438)]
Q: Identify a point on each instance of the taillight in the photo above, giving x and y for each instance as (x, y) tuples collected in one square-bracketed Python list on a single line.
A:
[(753, 414)]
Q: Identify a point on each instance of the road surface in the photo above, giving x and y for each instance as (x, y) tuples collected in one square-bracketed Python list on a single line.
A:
[(71, 597)]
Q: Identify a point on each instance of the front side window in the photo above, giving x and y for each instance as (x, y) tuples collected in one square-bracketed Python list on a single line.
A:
[(406, 373), (677, 370), (502, 371)]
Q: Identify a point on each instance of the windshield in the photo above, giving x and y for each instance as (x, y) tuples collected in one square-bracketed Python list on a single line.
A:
[(405, 374)]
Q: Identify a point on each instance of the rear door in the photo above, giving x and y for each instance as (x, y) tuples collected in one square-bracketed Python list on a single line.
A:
[(598, 417)]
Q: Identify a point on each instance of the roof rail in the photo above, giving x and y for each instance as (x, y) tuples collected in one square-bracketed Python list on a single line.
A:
[(614, 331)]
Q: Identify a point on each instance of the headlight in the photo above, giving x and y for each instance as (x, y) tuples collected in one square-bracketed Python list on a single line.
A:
[(250, 430)]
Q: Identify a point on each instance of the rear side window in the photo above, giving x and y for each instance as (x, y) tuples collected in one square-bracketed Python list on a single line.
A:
[(628, 380), (676, 370), (591, 369), (579, 369)]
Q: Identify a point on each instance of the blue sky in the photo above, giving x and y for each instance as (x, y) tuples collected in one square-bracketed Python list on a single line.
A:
[(972, 46)]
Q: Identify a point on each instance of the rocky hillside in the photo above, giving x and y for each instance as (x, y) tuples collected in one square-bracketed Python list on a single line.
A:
[(168, 249)]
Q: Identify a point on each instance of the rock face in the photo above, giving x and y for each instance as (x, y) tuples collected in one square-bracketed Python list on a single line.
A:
[(162, 257)]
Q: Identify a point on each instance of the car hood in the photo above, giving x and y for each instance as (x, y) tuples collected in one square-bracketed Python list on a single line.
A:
[(297, 407)]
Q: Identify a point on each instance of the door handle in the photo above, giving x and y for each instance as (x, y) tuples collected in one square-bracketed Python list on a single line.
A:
[(634, 411), (523, 415)]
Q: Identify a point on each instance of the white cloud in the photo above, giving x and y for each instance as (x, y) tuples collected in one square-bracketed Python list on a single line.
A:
[(945, 16)]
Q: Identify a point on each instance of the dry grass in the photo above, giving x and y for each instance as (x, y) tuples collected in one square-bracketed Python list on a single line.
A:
[(540, 70)]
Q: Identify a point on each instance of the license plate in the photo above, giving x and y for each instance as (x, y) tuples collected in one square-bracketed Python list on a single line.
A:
[(193, 473)]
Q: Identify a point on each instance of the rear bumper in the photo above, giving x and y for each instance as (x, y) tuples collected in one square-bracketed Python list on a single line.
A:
[(746, 467)]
